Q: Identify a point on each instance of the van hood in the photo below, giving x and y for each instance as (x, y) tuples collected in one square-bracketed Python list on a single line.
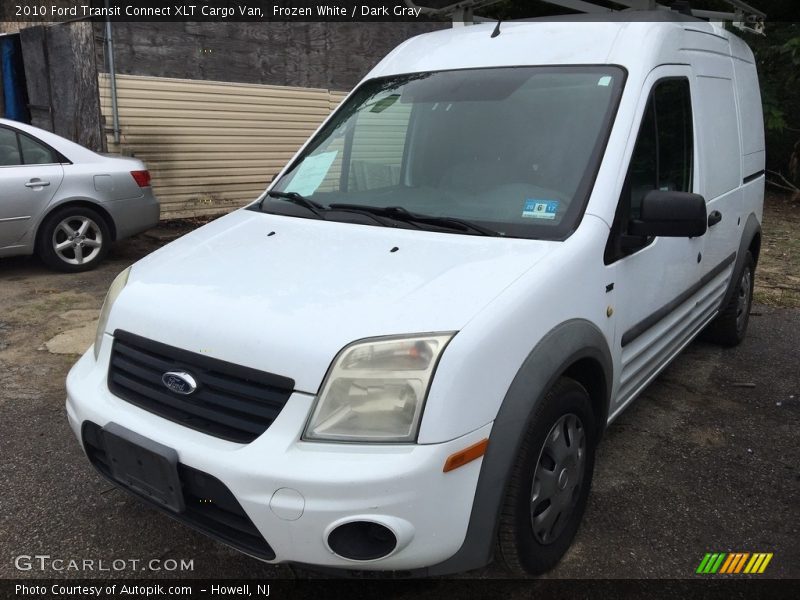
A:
[(287, 302)]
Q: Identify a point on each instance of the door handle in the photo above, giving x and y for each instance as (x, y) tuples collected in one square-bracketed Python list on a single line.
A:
[(36, 183), (714, 218)]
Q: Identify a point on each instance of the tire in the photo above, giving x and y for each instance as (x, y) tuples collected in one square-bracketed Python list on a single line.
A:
[(73, 238), (527, 545), (730, 326)]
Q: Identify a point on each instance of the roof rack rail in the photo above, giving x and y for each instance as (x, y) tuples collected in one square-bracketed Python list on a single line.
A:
[(743, 16), (461, 12)]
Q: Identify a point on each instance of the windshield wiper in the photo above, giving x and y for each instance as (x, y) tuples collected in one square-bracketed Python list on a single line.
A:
[(401, 214), (299, 199)]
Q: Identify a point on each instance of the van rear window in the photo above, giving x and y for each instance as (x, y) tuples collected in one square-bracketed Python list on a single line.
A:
[(514, 149)]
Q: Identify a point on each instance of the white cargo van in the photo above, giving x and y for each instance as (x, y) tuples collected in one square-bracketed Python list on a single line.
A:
[(403, 356)]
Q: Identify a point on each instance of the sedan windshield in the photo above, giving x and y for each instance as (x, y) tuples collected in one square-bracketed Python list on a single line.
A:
[(513, 151)]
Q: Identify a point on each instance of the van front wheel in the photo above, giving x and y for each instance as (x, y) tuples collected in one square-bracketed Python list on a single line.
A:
[(550, 482)]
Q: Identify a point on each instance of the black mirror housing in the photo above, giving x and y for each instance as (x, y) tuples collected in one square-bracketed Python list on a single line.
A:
[(671, 214)]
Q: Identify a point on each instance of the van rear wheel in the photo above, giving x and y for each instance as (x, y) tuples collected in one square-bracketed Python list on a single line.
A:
[(550, 482), (730, 326)]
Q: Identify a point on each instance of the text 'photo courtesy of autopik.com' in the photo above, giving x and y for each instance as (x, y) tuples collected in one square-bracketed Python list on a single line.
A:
[(399, 299)]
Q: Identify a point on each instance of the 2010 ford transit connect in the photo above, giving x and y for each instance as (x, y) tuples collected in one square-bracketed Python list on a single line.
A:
[(404, 354)]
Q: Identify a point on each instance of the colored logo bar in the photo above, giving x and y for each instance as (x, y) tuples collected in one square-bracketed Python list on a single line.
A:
[(732, 563)]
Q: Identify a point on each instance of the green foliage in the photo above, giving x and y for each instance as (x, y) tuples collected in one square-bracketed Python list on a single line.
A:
[(774, 119), (778, 64), (778, 60), (792, 48)]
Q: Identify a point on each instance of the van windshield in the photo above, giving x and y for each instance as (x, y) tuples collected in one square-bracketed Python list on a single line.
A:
[(513, 151)]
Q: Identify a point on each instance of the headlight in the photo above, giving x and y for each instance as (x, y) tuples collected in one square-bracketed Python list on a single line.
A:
[(375, 390), (116, 287)]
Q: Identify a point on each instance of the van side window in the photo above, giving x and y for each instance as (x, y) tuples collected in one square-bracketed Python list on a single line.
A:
[(662, 158), (673, 108)]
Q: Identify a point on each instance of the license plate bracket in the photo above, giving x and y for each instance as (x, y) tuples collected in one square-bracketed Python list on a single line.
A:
[(144, 466)]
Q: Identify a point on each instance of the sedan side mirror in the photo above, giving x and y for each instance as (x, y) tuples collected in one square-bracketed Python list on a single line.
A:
[(671, 214)]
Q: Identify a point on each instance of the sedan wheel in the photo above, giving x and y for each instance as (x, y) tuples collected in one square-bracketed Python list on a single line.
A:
[(73, 238), (77, 240)]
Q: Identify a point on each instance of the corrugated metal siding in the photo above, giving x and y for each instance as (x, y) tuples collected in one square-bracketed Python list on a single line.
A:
[(211, 146)]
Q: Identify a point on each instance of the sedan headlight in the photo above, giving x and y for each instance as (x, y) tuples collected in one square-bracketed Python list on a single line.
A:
[(375, 390), (116, 287)]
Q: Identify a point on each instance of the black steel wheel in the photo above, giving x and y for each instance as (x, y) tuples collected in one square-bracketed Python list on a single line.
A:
[(730, 326), (550, 481)]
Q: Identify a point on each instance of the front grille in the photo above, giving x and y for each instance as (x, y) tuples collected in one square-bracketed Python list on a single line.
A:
[(210, 506), (231, 402)]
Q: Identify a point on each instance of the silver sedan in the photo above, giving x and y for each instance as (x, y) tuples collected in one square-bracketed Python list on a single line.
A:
[(66, 203)]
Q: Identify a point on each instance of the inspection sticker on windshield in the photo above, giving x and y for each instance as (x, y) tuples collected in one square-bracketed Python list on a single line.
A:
[(540, 209)]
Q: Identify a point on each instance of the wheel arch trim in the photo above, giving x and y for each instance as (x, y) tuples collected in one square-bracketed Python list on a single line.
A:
[(751, 231), (562, 347), (79, 201)]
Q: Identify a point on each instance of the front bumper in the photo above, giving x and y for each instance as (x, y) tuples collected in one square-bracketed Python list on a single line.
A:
[(296, 492)]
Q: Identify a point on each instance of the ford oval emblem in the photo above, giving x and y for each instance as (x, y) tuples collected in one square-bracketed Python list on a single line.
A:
[(179, 382)]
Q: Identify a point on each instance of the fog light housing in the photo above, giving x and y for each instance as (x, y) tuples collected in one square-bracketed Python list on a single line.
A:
[(362, 540)]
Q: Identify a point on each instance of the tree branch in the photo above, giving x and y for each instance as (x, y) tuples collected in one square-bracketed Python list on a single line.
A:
[(785, 183)]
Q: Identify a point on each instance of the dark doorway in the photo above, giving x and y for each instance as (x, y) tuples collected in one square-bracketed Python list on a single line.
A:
[(14, 103)]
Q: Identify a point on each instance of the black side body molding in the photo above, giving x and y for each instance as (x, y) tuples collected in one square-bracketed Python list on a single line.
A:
[(651, 320), (753, 177)]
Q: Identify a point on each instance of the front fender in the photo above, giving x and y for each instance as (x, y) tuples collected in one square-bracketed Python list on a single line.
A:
[(565, 344)]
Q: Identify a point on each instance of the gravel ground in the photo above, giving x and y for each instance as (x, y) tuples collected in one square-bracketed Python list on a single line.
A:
[(705, 460)]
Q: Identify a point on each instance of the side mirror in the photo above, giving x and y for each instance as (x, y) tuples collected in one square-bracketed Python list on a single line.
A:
[(671, 214)]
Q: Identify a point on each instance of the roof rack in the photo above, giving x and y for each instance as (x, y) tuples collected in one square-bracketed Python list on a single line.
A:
[(461, 12), (743, 16)]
